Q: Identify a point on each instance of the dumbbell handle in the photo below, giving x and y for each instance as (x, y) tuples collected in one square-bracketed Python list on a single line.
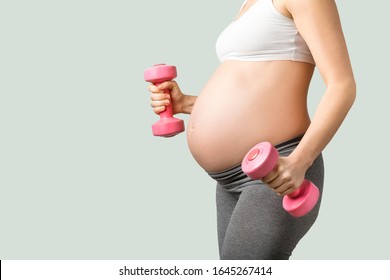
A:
[(168, 112)]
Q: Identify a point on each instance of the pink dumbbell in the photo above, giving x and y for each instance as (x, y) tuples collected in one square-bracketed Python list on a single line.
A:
[(260, 160), (167, 126)]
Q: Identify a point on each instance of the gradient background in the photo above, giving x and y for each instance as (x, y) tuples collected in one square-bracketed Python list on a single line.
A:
[(82, 177)]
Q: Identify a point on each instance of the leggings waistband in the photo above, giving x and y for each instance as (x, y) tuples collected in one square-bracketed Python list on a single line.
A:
[(286, 144), (235, 173)]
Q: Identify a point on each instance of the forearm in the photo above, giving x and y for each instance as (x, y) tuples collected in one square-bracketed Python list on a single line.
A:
[(188, 103), (328, 117)]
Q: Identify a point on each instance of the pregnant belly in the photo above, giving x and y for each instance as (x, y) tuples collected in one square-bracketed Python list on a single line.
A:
[(236, 111)]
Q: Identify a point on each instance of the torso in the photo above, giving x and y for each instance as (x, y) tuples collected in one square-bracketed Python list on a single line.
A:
[(246, 102)]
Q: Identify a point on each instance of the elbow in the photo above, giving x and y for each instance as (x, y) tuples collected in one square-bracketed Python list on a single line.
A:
[(347, 90), (344, 90)]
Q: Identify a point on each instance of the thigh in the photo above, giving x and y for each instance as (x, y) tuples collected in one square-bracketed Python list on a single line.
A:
[(260, 228), (226, 202)]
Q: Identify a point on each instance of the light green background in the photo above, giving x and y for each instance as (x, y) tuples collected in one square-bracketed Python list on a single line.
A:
[(81, 176)]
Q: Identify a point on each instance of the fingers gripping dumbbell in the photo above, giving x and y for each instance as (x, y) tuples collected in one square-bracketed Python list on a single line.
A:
[(167, 126), (260, 161)]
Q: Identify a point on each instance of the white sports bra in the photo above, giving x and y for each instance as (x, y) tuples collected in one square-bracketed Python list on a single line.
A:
[(262, 34)]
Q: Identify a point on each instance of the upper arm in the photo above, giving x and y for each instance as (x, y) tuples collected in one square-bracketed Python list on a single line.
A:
[(319, 24)]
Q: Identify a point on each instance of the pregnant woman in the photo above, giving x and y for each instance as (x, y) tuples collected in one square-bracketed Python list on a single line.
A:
[(259, 93)]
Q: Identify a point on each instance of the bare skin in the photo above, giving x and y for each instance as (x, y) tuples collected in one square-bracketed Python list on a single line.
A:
[(256, 94), (248, 102)]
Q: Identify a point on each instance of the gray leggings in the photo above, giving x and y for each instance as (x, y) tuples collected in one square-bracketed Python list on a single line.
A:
[(252, 224)]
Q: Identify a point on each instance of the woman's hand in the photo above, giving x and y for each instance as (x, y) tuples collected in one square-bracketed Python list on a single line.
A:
[(286, 177), (160, 98)]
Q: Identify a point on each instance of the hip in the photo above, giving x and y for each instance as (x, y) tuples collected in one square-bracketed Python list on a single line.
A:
[(234, 180)]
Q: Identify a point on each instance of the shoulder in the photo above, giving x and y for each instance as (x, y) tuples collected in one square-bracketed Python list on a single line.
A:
[(309, 9), (297, 7), (319, 24)]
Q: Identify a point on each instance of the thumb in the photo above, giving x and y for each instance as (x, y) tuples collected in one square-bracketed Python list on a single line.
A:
[(168, 85)]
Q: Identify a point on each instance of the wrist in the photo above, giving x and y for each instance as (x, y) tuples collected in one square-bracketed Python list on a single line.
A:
[(188, 103), (303, 159)]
